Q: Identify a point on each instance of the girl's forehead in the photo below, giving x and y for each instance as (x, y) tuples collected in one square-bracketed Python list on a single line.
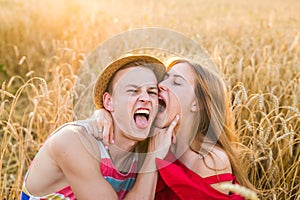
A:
[(182, 69)]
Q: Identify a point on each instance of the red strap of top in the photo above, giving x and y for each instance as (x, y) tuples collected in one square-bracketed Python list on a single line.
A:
[(177, 181), (219, 178)]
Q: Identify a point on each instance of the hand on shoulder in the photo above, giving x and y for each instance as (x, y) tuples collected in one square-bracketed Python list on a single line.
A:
[(71, 138)]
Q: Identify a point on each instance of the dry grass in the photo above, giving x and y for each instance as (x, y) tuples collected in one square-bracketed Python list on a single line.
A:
[(255, 44)]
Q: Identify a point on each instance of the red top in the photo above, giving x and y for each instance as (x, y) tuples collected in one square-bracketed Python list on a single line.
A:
[(176, 181)]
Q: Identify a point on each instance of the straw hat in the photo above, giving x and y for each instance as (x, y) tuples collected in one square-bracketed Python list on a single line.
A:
[(105, 76)]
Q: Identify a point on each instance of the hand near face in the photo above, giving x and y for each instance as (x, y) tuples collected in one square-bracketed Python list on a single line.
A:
[(101, 125), (160, 143)]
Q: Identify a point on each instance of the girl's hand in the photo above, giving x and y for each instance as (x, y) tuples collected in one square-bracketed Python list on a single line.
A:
[(101, 125), (161, 140)]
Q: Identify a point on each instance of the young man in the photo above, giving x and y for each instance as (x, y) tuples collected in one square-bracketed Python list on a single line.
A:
[(72, 164)]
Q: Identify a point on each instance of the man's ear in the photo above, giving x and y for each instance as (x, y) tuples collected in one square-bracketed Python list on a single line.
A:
[(107, 102)]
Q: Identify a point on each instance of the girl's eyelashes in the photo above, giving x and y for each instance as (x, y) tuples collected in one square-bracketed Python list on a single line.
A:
[(176, 83), (174, 79)]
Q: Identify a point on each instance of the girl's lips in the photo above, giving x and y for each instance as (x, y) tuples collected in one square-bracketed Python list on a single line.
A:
[(162, 104)]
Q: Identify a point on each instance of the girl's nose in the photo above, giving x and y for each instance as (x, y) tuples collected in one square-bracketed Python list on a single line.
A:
[(161, 87)]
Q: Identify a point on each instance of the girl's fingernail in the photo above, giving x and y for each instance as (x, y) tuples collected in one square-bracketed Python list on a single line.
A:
[(106, 147), (112, 141)]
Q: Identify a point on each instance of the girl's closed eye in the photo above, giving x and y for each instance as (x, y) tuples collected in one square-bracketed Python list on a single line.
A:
[(177, 81)]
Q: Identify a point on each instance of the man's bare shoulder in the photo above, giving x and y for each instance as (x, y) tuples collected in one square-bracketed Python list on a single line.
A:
[(70, 138)]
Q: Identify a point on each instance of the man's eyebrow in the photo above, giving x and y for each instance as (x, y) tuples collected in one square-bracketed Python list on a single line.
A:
[(132, 85), (153, 88), (137, 86)]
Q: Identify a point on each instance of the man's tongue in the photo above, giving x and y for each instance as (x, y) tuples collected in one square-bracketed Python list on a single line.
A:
[(141, 121)]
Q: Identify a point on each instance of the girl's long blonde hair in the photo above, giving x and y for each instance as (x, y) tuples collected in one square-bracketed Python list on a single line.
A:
[(215, 118)]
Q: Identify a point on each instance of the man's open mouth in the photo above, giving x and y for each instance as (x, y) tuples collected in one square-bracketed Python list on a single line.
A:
[(141, 117)]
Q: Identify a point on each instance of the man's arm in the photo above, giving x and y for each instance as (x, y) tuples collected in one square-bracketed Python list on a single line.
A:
[(80, 167)]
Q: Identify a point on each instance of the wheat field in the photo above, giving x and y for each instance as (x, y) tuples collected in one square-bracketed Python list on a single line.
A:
[(255, 44)]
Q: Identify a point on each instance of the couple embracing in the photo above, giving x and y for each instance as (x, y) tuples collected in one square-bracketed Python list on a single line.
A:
[(171, 137)]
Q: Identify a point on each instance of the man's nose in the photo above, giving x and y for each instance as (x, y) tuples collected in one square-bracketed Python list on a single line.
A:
[(144, 96)]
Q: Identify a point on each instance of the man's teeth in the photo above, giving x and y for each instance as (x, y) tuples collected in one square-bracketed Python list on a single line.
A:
[(142, 111)]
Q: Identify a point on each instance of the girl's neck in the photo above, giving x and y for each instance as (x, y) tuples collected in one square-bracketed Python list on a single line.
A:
[(185, 133)]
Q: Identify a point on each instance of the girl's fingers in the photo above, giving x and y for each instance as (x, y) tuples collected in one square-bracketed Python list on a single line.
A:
[(94, 129), (173, 137), (104, 120), (105, 136), (172, 127), (111, 135), (173, 124), (96, 134), (99, 132), (109, 124)]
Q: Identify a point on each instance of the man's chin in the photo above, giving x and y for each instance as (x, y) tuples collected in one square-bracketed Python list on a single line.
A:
[(138, 137), (161, 124), (142, 134)]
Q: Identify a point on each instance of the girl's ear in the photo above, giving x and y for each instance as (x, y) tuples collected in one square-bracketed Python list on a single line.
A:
[(195, 106), (107, 102)]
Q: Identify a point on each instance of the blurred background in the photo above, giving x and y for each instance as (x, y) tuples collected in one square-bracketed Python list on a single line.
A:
[(255, 44)]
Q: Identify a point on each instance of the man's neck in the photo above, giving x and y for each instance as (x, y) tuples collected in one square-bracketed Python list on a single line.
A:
[(122, 150)]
